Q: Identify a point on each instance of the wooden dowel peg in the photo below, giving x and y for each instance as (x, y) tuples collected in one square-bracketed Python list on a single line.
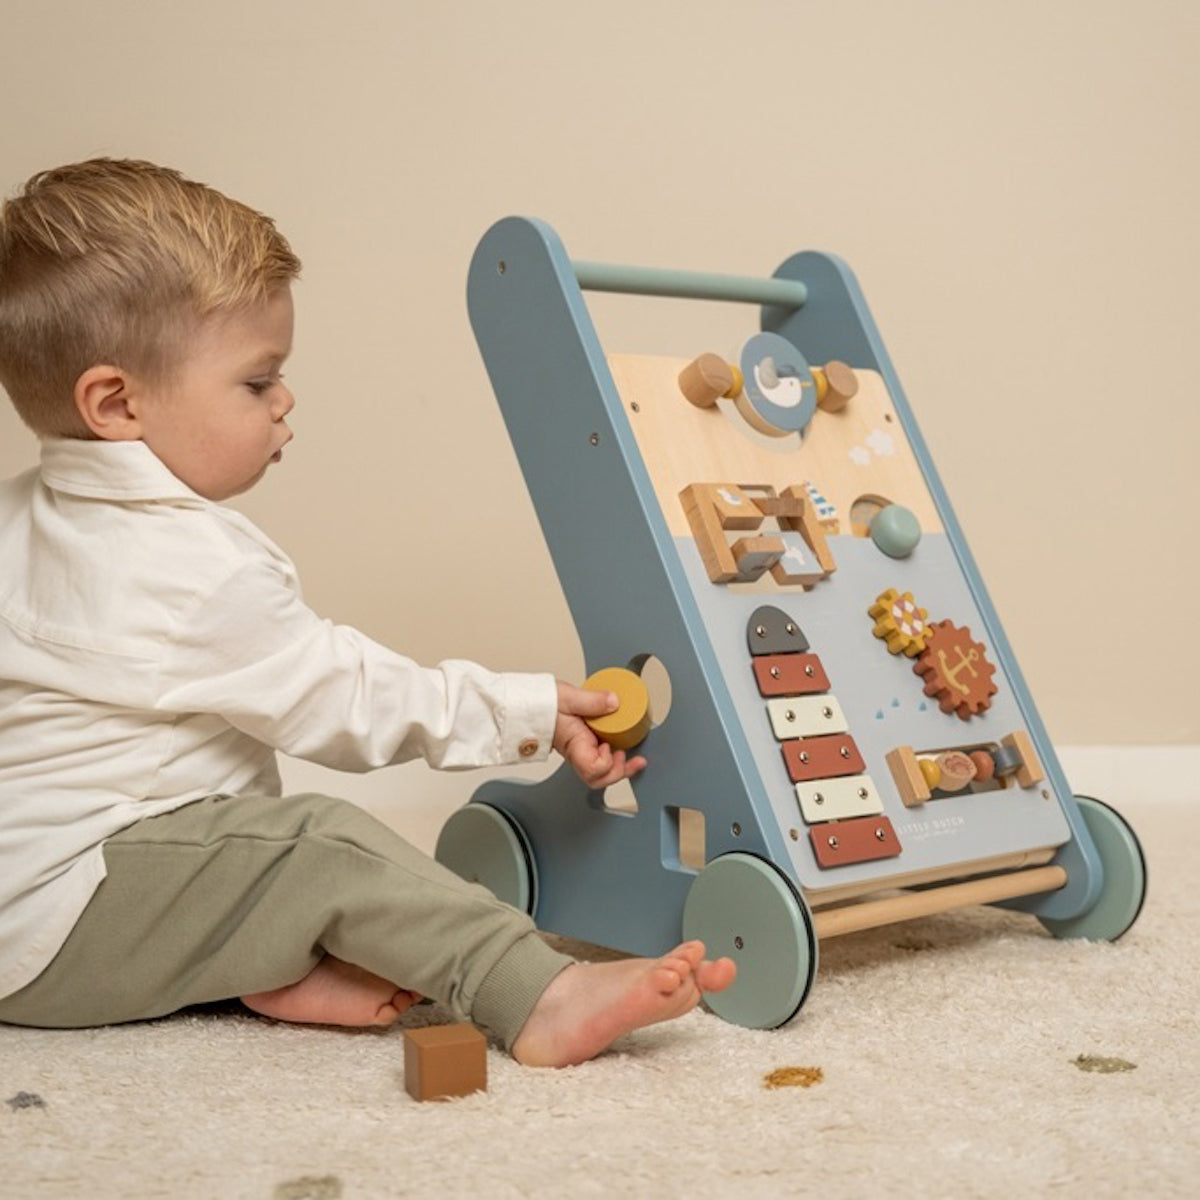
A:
[(837, 385), (708, 378), (871, 913)]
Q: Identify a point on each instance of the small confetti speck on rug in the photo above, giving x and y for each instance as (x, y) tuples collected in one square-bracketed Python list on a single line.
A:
[(310, 1187), (25, 1100), (1103, 1066), (794, 1077)]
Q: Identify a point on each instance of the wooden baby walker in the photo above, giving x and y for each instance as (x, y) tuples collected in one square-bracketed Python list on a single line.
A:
[(838, 734)]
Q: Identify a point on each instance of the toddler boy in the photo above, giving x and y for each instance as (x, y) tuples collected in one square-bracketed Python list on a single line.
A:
[(155, 652)]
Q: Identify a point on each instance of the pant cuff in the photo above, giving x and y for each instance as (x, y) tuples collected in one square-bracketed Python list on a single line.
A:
[(514, 985)]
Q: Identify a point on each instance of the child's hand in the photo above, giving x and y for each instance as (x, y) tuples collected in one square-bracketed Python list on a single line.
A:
[(595, 762)]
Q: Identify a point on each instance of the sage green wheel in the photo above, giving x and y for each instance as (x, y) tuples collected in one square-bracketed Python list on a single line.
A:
[(1124, 887), (485, 845), (744, 908)]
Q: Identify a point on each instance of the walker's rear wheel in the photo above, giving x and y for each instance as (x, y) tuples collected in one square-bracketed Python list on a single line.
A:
[(744, 908), (485, 845), (1124, 887)]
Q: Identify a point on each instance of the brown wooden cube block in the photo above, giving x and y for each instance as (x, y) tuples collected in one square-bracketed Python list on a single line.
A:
[(443, 1061)]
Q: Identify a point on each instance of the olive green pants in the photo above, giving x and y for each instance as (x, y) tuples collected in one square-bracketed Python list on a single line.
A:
[(230, 896)]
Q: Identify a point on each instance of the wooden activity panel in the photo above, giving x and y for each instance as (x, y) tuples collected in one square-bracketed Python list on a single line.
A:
[(849, 740), (887, 706)]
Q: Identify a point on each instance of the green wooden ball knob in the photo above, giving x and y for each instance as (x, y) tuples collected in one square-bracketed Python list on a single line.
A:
[(895, 531)]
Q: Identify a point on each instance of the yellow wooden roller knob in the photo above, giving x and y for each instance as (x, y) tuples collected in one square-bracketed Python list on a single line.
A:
[(630, 723)]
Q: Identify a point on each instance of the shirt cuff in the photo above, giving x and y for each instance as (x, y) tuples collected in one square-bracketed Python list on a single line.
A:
[(530, 714)]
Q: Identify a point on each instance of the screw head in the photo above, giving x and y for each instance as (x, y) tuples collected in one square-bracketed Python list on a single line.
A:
[(827, 712), (760, 631), (845, 751), (774, 672), (880, 836), (738, 943), (804, 756), (809, 671), (863, 793), (594, 439), (737, 829), (833, 843), (818, 798), (789, 629)]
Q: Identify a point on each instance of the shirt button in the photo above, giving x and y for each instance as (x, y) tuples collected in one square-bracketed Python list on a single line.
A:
[(528, 748)]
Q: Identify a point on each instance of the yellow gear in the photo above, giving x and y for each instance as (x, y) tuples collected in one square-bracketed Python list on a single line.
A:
[(899, 622)]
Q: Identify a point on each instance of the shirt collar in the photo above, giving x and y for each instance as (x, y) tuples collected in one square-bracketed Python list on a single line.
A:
[(111, 471)]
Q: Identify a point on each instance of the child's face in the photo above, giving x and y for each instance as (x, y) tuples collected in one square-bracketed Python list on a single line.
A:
[(219, 423)]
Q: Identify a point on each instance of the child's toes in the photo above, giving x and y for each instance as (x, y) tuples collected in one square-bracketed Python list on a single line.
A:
[(666, 979), (692, 951), (682, 968), (716, 976)]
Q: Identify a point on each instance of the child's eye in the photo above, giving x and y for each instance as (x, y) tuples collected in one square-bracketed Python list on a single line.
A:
[(259, 386)]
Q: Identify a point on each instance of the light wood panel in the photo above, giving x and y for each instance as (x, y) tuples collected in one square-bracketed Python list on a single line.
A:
[(858, 451)]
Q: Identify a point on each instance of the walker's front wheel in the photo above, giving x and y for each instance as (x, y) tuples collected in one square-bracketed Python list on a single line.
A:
[(744, 908), (485, 845), (1124, 887)]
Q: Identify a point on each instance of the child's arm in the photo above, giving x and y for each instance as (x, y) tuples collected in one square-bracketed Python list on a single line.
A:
[(595, 762), (251, 653)]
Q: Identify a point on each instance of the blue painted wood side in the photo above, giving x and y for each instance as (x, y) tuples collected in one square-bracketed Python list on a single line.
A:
[(601, 875)]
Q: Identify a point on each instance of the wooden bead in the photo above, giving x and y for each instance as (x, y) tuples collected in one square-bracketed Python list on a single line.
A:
[(985, 765), (1006, 760), (957, 770), (931, 771)]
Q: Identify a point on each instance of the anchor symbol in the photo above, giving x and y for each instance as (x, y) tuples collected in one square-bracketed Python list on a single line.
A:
[(951, 673)]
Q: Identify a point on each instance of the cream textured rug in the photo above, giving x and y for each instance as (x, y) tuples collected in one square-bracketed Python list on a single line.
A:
[(958, 1056)]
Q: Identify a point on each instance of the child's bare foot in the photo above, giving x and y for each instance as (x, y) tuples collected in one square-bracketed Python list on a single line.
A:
[(335, 993), (589, 1005)]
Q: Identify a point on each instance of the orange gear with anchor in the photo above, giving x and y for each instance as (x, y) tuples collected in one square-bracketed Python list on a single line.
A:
[(956, 670), (899, 622)]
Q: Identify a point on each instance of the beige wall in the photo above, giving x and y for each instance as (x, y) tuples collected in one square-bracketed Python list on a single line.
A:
[(1015, 185)]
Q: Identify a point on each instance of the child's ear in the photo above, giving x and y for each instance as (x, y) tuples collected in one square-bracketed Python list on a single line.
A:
[(102, 396)]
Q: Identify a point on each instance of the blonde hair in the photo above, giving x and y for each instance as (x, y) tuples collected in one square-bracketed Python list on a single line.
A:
[(117, 262)]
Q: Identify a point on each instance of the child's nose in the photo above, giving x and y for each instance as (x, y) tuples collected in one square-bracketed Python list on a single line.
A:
[(285, 402)]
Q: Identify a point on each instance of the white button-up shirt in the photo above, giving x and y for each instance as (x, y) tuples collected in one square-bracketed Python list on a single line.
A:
[(155, 649)]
